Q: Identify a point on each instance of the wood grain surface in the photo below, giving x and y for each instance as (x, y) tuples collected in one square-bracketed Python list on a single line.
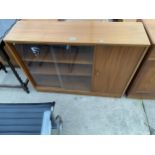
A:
[(78, 32)]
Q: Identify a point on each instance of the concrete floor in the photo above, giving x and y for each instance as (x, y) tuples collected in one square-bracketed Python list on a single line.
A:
[(88, 114)]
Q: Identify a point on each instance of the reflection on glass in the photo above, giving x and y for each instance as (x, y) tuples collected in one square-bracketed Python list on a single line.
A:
[(61, 66)]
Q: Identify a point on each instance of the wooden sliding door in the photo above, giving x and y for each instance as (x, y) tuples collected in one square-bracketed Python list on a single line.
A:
[(114, 67)]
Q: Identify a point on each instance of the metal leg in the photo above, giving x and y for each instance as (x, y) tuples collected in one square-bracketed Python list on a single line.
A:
[(6, 57), (56, 122), (3, 67)]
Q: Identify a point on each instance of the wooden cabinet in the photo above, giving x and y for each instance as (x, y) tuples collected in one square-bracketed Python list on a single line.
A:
[(143, 85), (146, 80), (85, 57)]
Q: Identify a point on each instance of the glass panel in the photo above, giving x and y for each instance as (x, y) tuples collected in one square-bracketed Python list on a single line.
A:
[(68, 67)]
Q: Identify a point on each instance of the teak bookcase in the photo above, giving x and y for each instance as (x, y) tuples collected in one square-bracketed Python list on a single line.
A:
[(85, 57), (143, 85)]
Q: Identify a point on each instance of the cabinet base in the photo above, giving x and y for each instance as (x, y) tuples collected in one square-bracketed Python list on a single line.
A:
[(142, 96), (58, 90)]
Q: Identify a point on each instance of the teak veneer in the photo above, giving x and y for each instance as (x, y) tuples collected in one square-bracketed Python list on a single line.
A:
[(84, 57)]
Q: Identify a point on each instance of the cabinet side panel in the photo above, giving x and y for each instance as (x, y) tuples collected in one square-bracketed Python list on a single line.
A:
[(114, 66)]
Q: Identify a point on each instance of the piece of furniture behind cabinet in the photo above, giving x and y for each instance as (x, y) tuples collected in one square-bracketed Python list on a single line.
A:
[(143, 85), (84, 57)]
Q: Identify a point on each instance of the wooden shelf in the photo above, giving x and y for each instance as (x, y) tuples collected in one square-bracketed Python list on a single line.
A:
[(64, 69), (82, 58), (71, 83), (47, 80)]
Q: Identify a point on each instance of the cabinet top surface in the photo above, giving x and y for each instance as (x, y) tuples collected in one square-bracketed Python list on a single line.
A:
[(78, 32), (150, 27)]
